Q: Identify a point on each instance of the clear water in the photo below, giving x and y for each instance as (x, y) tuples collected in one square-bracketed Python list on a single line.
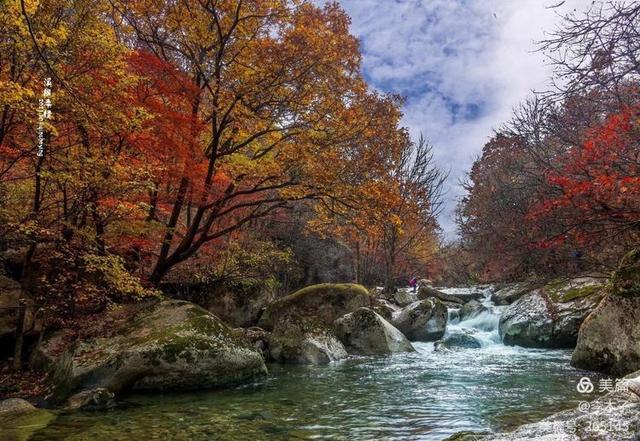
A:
[(426, 395)]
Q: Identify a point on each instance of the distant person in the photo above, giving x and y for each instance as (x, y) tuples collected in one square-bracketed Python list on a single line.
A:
[(413, 283)]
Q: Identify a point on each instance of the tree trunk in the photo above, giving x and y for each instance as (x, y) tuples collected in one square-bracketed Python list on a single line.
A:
[(356, 263), (17, 353)]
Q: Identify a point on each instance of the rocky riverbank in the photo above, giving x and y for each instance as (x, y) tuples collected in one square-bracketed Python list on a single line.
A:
[(171, 345)]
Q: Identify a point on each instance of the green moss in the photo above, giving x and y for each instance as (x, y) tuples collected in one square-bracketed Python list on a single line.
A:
[(322, 290), (560, 290), (580, 292), (21, 427), (626, 279), (324, 302)]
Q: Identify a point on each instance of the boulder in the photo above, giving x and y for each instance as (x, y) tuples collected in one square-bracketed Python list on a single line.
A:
[(322, 304), (240, 307), (508, 294), (466, 294), (363, 332), (385, 308), (424, 320), (92, 399), (235, 303), (301, 342), (613, 416), (256, 337), (174, 345), (21, 426), (404, 297), (15, 406), (464, 340), (550, 317), (471, 309), (609, 339), (427, 292)]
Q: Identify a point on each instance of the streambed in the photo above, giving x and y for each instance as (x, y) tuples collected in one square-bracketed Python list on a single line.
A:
[(426, 395)]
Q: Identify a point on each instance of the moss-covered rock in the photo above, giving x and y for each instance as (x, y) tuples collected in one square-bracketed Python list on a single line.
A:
[(424, 320), (174, 346), (364, 332), (322, 304), (550, 317), (563, 290), (21, 426), (626, 279)]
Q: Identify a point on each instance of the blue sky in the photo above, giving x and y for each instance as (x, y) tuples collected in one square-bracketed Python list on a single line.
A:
[(462, 65)]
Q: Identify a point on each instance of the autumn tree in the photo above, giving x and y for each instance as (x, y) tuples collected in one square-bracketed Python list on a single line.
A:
[(596, 189), (279, 91)]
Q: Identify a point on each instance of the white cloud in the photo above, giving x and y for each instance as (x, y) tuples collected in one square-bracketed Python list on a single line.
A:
[(463, 65)]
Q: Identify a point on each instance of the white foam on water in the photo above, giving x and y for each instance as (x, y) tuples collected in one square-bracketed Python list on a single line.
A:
[(484, 326)]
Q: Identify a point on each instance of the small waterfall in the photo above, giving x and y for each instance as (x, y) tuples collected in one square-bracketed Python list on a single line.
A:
[(484, 326)]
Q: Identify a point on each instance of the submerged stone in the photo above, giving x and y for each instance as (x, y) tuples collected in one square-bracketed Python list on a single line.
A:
[(459, 340)]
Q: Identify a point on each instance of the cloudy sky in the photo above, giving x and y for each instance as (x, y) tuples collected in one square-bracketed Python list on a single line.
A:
[(462, 64)]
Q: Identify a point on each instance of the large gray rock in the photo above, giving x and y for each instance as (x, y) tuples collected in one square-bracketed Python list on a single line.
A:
[(363, 332), (239, 307), (321, 304), (549, 318), (385, 308), (612, 417), (471, 309), (404, 297), (508, 294), (15, 406), (466, 294), (304, 343), (427, 292), (609, 339), (175, 345), (425, 320)]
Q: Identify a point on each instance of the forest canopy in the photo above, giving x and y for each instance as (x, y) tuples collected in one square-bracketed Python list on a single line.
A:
[(147, 141)]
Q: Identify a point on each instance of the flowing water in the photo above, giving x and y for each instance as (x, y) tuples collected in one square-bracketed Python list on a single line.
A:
[(426, 395)]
